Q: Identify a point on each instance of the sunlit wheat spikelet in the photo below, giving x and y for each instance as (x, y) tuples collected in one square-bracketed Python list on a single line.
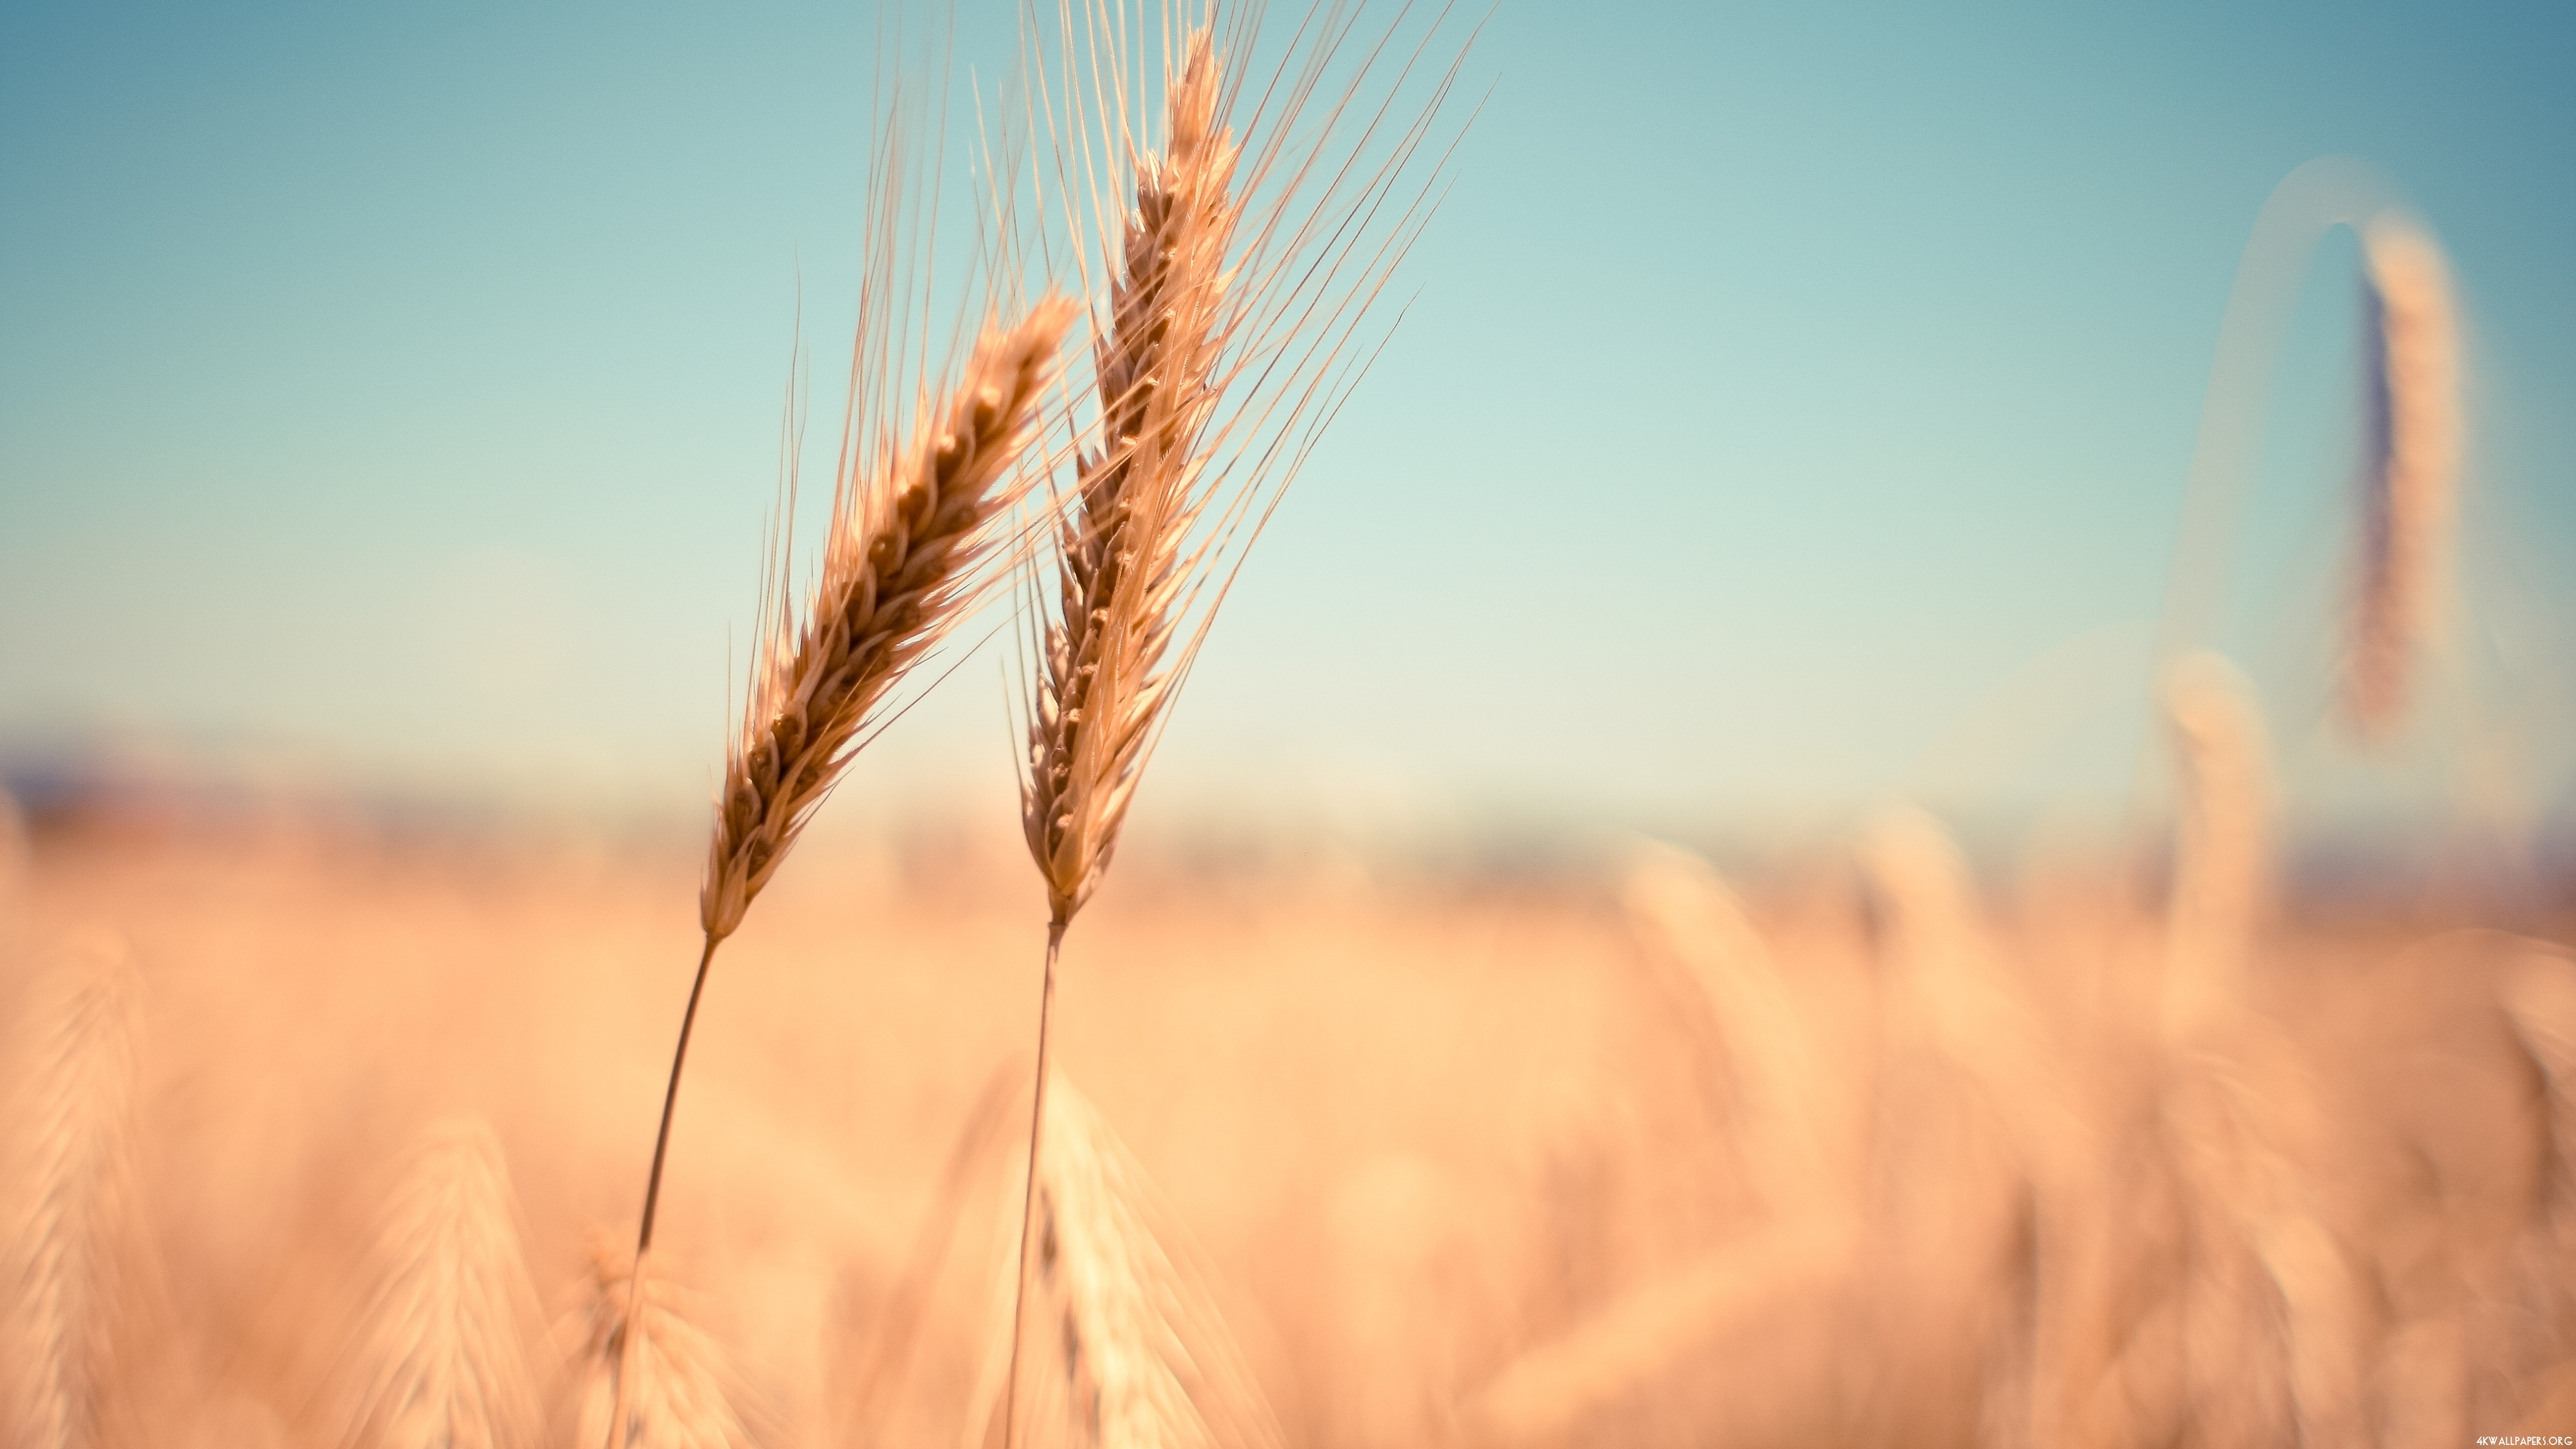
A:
[(2222, 840), (440, 1357), (1124, 566), (2411, 475), (902, 562), (69, 1194), (912, 529), (646, 1377), (1125, 1351)]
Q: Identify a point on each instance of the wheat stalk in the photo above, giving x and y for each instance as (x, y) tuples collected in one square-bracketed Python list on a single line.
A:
[(900, 564), (1138, 1357), (1122, 564), (648, 1378), (70, 1199), (441, 1352), (2222, 840), (2412, 469)]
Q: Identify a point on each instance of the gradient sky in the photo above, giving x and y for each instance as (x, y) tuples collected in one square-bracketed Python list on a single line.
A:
[(1794, 407)]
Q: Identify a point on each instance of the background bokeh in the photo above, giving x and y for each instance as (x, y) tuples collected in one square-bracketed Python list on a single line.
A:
[(1793, 406)]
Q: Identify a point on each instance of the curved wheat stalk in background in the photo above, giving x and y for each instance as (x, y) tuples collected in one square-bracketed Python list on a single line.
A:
[(2411, 476), (69, 1195), (441, 1349)]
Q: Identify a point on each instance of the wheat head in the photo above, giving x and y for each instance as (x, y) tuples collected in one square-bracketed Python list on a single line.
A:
[(1122, 563), (69, 1195), (1126, 1350), (901, 563), (440, 1358), (646, 1377), (2411, 472)]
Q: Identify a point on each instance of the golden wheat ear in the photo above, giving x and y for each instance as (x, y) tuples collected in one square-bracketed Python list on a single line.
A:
[(439, 1358), (2410, 477), (1125, 1347), (913, 548), (645, 1376), (69, 1192)]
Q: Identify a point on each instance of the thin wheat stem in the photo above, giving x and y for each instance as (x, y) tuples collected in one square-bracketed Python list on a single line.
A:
[(671, 1099), (1029, 1195)]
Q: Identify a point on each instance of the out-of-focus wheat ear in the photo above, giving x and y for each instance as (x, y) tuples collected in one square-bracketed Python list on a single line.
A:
[(2222, 841), (2411, 464), (1692, 922), (69, 1194), (439, 1358), (646, 1377), (1951, 984), (1125, 1348), (1664, 1329)]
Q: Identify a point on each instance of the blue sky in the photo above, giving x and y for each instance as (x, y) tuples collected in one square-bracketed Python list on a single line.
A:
[(1793, 407)]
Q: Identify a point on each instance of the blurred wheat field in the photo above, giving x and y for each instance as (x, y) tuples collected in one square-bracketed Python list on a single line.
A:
[(1511, 1163)]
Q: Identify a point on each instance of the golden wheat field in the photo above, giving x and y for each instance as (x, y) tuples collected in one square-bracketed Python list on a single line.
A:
[(324, 1124), (1861, 1156)]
